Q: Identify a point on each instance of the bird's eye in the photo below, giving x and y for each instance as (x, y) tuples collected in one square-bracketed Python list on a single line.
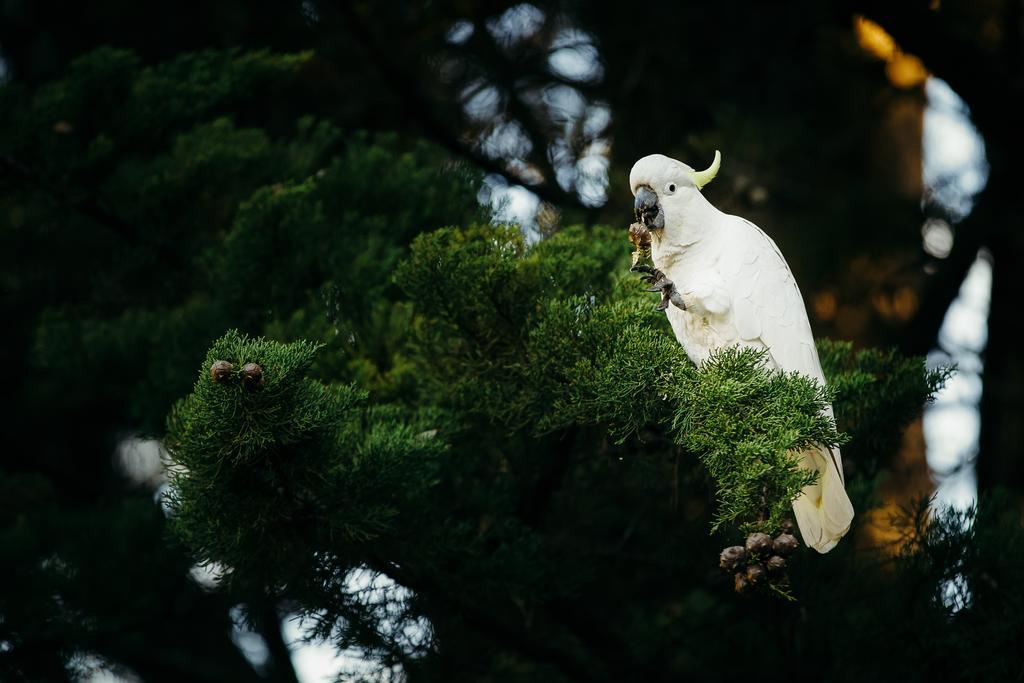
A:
[(670, 188)]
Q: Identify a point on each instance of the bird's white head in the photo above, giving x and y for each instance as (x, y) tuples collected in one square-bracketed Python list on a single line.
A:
[(665, 190)]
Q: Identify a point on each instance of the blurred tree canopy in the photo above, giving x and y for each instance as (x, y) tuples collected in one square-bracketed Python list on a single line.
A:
[(171, 174)]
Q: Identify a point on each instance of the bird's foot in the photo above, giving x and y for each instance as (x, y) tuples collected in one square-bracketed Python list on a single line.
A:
[(659, 282)]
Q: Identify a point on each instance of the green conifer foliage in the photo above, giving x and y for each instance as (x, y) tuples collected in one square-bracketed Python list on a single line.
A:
[(467, 455), (560, 399), (270, 473), (144, 210)]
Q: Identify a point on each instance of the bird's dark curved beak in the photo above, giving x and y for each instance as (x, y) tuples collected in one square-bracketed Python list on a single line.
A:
[(648, 208)]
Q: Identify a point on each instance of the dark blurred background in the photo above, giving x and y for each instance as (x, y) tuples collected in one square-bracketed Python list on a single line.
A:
[(875, 142)]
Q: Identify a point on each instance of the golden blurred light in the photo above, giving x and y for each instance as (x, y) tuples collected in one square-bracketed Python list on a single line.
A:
[(903, 70), (825, 306), (873, 39), (908, 478), (906, 71), (900, 305), (904, 303), (881, 303)]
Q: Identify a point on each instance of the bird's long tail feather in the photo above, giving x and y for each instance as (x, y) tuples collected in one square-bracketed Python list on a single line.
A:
[(823, 511)]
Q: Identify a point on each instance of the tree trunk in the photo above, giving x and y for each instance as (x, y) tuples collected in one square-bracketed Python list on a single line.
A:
[(1001, 459)]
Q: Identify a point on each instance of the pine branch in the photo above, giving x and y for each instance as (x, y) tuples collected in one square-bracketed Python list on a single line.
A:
[(436, 127)]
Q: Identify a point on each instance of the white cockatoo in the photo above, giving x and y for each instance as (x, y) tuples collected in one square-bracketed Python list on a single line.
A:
[(730, 286)]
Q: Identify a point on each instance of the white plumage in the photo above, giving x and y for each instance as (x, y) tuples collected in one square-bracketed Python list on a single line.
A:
[(738, 291)]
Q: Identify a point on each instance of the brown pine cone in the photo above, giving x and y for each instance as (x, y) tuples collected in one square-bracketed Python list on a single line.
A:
[(221, 370), (755, 573), (740, 583), (785, 544), (776, 564), (640, 236), (252, 376), (732, 557), (759, 543)]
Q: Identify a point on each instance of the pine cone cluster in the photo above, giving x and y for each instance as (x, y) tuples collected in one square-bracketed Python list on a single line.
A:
[(759, 559), (251, 375)]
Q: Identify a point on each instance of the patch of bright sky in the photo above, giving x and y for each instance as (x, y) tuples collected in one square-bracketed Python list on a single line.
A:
[(955, 170), (598, 118), (480, 101), (141, 460), (507, 140), (207, 576), (592, 174), (952, 424), (318, 662), (937, 237), (88, 668), (251, 644), (515, 23), (314, 662), (459, 32), (574, 57), (509, 203), (565, 103)]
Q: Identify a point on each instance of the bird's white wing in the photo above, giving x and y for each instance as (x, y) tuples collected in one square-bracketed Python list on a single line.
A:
[(768, 310), (767, 305)]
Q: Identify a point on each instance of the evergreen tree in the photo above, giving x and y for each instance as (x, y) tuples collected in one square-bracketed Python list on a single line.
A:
[(141, 209), (469, 456), (545, 487)]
